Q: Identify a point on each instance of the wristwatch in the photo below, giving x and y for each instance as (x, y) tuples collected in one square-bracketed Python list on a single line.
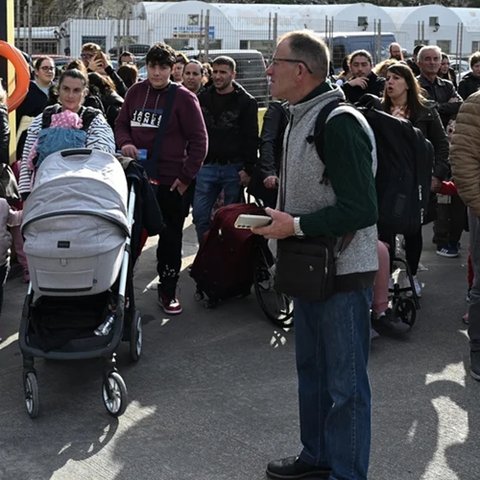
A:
[(296, 227)]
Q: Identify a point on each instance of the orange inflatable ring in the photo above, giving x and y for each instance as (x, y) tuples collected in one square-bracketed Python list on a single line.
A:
[(22, 74)]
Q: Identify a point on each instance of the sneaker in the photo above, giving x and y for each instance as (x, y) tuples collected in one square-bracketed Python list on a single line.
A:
[(293, 468), (450, 251), (386, 323), (169, 305), (475, 365)]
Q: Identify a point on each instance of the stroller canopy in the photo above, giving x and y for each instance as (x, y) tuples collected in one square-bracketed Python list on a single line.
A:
[(77, 182)]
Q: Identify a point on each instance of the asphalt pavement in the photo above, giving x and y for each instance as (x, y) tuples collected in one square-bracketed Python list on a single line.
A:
[(214, 395)]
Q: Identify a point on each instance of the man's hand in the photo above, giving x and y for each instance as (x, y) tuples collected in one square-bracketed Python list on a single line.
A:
[(361, 82), (179, 186), (436, 185), (270, 182), (281, 226), (130, 150), (244, 178)]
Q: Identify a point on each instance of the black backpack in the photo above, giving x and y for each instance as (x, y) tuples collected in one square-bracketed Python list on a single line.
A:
[(404, 170)]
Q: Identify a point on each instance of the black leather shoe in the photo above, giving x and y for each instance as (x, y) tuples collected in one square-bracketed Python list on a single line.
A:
[(293, 467)]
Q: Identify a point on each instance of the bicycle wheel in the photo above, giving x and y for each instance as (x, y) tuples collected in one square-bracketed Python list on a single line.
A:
[(277, 307)]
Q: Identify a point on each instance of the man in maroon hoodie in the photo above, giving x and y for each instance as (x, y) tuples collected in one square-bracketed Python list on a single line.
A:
[(174, 163)]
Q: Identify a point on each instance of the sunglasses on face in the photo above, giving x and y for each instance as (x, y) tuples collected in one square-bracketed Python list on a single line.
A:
[(47, 68)]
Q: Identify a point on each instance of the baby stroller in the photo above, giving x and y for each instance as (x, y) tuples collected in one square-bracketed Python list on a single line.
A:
[(79, 304)]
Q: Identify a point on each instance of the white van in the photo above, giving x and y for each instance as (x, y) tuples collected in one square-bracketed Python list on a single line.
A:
[(344, 43)]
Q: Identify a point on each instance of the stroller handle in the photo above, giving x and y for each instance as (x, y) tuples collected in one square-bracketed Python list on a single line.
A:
[(76, 151)]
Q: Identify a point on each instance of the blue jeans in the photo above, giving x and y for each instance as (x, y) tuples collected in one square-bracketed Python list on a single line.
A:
[(332, 346), (210, 181)]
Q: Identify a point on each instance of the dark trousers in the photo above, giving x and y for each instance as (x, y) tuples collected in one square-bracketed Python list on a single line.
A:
[(413, 250), (450, 222), (169, 248)]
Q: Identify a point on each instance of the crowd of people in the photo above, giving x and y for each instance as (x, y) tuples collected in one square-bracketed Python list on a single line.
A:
[(195, 131)]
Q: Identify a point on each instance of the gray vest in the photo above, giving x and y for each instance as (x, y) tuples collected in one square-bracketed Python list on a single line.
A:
[(301, 175)]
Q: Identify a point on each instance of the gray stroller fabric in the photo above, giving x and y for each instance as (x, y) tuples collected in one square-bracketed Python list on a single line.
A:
[(75, 223)]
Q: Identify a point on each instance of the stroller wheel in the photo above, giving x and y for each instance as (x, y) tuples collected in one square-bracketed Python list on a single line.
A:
[(136, 337), (30, 386), (114, 394), (406, 311)]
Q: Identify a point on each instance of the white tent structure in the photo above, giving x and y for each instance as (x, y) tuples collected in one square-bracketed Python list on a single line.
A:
[(244, 25), (470, 33), (428, 24), (191, 23)]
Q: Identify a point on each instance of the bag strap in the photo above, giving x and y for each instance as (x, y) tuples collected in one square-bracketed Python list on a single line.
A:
[(151, 164), (88, 114), (317, 138), (320, 122), (47, 115)]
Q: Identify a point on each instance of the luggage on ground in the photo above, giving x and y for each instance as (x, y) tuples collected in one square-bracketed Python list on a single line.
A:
[(225, 261)]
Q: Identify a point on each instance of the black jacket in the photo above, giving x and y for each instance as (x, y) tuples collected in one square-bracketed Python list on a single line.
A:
[(428, 121), (112, 103), (271, 139), (232, 132), (443, 93), (468, 84), (275, 121), (4, 134), (33, 104), (147, 214), (375, 86)]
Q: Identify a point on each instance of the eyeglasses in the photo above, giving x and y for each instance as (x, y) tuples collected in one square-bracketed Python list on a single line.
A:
[(291, 60), (46, 68), (86, 55)]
